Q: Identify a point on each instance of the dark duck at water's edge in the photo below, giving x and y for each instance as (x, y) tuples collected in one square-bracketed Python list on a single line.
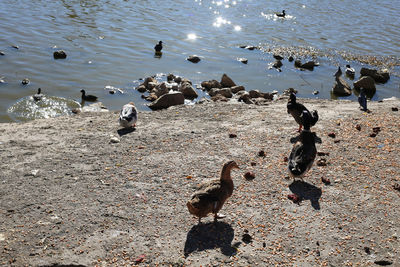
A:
[(211, 195), (296, 109), (304, 151), (88, 97), (362, 100), (38, 96)]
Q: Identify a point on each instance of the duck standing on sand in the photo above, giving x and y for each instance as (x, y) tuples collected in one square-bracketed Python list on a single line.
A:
[(38, 96), (158, 48), (85, 97), (304, 151), (128, 115), (211, 195), (296, 109), (281, 15), (362, 100)]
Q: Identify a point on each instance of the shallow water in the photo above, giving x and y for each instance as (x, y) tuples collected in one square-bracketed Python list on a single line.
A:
[(110, 43)]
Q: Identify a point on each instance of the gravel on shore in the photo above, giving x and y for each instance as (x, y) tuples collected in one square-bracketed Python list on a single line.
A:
[(78, 190)]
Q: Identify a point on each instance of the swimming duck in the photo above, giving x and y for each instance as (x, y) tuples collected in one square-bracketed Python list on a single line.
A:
[(362, 99), (38, 96), (211, 195), (304, 151), (158, 48), (350, 71), (88, 97), (281, 15), (128, 115), (338, 73), (296, 109)]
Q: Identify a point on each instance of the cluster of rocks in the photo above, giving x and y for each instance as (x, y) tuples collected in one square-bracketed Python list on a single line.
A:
[(226, 89), (367, 81), (172, 92), (176, 89)]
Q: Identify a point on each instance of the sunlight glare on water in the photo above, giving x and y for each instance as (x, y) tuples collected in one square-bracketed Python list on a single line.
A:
[(108, 50)]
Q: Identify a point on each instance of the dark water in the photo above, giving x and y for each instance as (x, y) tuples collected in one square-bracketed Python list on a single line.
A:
[(110, 45)]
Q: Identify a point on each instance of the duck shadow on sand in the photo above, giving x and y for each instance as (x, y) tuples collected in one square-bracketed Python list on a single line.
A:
[(307, 191), (296, 138), (125, 131), (210, 236)]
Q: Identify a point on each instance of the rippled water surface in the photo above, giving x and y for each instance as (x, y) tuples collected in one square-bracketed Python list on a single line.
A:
[(110, 44)]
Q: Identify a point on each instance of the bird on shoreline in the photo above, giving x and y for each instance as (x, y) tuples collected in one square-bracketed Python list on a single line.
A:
[(303, 153), (211, 195), (350, 71), (128, 115), (362, 100), (296, 109), (158, 48), (38, 96), (281, 15), (85, 97)]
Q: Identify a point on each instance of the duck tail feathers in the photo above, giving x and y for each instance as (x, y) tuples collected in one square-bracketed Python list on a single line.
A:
[(314, 117)]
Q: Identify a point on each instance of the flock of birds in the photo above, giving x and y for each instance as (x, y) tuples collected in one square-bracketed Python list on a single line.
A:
[(211, 195)]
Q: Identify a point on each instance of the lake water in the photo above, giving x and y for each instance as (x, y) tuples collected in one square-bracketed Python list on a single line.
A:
[(110, 43)]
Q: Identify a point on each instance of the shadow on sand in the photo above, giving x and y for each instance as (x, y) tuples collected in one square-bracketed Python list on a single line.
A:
[(209, 236), (296, 138), (307, 191), (125, 131)]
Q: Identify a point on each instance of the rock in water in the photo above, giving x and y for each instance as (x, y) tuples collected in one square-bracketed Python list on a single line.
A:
[(193, 59), (60, 54), (226, 81)]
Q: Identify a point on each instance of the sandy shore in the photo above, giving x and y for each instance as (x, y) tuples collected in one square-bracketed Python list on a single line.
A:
[(69, 195)]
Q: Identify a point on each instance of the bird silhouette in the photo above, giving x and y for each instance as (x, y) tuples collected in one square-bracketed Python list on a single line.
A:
[(281, 15), (362, 99)]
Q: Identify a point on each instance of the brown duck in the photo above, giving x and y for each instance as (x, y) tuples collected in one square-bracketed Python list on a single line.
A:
[(296, 109), (211, 195)]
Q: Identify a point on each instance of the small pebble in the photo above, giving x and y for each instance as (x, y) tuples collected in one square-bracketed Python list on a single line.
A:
[(285, 159), (332, 135), (246, 238), (253, 163), (326, 180), (367, 250), (232, 135), (316, 92), (358, 127), (261, 153), (114, 140), (2, 53), (395, 109), (249, 175), (321, 162)]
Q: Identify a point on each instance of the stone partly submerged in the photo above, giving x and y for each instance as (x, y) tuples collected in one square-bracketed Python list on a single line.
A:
[(367, 83), (60, 54), (193, 59), (341, 87), (188, 91), (168, 100), (226, 81), (379, 76)]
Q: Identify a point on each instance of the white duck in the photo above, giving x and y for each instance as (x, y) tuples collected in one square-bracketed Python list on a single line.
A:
[(350, 71), (128, 115)]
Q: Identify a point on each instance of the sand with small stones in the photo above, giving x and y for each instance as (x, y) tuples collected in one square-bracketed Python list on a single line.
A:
[(79, 191)]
